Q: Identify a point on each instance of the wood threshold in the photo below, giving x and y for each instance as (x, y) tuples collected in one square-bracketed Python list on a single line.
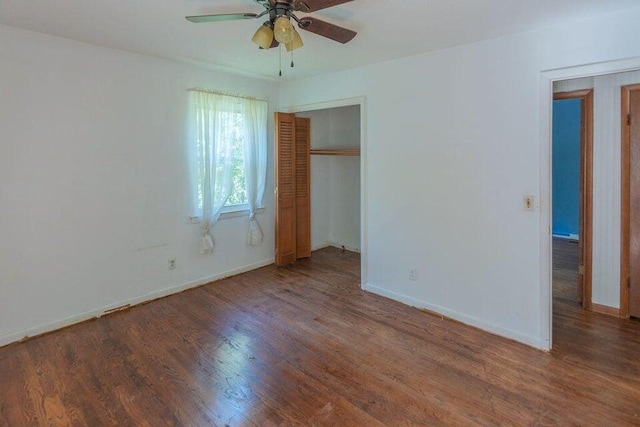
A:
[(603, 309)]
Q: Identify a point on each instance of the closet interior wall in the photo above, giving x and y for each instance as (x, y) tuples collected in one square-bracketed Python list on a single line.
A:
[(335, 180)]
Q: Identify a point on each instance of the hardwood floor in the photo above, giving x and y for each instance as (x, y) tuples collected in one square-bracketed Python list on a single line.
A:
[(305, 346), (565, 269)]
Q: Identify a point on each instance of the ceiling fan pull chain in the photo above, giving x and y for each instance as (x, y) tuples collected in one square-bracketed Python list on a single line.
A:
[(280, 51), (292, 59)]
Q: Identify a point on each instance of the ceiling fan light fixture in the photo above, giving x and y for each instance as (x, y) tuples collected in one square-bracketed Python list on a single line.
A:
[(263, 37), (283, 30), (296, 43)]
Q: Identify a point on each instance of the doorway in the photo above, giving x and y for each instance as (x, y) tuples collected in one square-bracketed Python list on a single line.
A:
[(338, 176), (572, 183), (630, 218), (335, 177), (610, 280)]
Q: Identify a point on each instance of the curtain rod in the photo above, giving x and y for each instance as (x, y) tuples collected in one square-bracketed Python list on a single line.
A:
[(217, 92)]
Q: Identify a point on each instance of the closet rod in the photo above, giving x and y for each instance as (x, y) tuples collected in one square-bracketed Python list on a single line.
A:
[(335, 152)]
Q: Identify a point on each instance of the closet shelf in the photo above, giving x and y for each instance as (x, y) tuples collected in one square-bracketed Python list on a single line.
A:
[(335, 152)]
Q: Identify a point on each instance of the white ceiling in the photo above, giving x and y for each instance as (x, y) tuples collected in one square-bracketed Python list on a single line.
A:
[(387, 29)]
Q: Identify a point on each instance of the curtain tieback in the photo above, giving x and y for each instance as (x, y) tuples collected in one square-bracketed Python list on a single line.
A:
[(206, 242), (254, 235)]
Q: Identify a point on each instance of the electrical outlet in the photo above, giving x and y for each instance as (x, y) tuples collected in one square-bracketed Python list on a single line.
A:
[(413, 274), (171, 263)]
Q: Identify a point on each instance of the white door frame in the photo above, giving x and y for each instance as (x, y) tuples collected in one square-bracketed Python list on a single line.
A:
[(361, 101), (546, 102)]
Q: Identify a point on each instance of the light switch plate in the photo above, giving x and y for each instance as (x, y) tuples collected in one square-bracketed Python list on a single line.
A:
[(529, 203)]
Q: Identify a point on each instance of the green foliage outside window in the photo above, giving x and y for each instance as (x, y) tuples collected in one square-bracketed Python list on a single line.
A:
[(238, 191)]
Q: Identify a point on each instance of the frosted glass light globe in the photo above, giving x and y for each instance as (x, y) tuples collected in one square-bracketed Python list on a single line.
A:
[(283, 30), (296, 43), (263, 37)]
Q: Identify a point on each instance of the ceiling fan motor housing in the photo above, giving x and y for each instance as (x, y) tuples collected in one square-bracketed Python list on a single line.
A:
[(283, 8)]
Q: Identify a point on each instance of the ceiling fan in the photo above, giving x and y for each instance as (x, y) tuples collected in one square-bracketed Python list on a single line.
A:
[(278, 28)]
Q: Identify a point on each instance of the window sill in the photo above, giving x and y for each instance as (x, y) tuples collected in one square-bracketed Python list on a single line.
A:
[(231, 212), (237, 211)]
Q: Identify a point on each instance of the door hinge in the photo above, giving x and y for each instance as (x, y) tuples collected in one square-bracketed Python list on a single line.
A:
[(581, 269), (628, 282), (629, 119)]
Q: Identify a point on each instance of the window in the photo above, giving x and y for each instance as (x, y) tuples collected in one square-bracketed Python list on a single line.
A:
[(230, 157), (238, 194), (231, 130)]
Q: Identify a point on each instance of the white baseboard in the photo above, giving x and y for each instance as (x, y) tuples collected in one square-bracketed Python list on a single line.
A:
[(469, 320), (87, 315)]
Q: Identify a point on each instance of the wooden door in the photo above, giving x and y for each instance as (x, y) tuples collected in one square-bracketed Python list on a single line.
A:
[(285, 160), (303, 188), (633, 121)]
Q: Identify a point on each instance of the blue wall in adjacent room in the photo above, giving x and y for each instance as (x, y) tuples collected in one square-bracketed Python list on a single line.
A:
[(566, 166)]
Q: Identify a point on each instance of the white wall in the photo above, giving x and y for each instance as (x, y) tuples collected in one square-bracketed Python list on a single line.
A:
[(606, 180), (335, 181), (94, 190), (345, 202), (454, 143)]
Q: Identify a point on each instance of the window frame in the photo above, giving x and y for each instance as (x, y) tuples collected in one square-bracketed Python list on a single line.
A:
[(232, 210)]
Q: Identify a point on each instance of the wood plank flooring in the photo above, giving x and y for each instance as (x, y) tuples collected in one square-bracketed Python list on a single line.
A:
[(565, 269), (305, 346)]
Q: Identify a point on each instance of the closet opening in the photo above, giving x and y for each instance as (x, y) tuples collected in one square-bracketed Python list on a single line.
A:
[(335, 177), (334, 174)]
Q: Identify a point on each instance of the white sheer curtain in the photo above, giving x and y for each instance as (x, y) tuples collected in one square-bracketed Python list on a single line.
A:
[(214, 159), (219, 120), (255, 163)]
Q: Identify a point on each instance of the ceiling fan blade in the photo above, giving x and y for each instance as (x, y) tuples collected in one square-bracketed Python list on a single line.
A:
[(221, 17), (326, 29), (315, 5)]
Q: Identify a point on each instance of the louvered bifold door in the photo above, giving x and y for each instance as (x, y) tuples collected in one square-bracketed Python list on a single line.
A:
[(303, 188), (285, 125)]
